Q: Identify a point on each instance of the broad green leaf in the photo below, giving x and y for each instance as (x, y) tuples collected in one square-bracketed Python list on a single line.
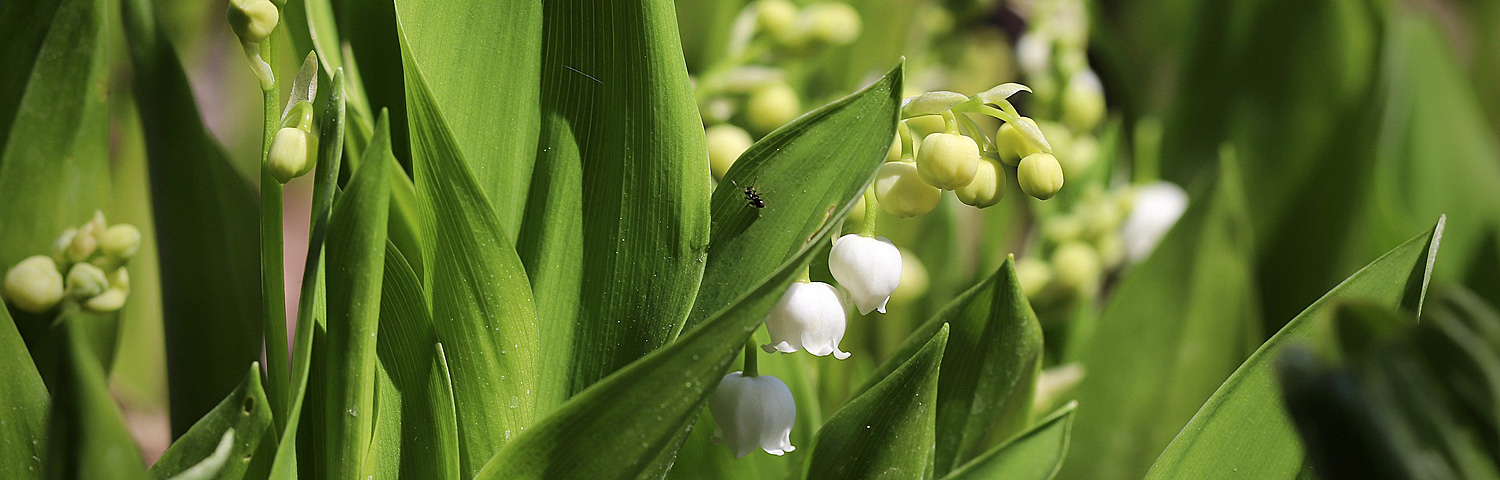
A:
[(806, 172), (246, 413), (205, 216), (416, 433), (25, 402), (480, 297), (887, 430), (616, 225), (54, 168), (26, 26), (86, 435), (1177, 325), (989, 368), (1035, 454), (356, 256), (480, 63), (1243, 427), (631, 423)]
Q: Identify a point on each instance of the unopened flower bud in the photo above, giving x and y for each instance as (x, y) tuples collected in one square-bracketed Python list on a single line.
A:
[(60, 246), (86, 280), (895, 152), (1083, 101), (1076, 268), (725, 145), (1062, 229), (772, 106), (834, 23), (109, 301), (988, 186), (34, 285), (926, 125), (119, 279), (121, 241), (1040, 175), (292, 155), (914, 279), (1034, 276), (901, 191), (810, 316), (753, 412), (253, 20), (947, 160), (84, 243), (1011, 143), (777, 17)]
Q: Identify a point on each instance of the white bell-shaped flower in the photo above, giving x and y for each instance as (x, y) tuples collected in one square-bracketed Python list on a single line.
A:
[(868, 268), (810, 316), (753, 412), (1156, 207)]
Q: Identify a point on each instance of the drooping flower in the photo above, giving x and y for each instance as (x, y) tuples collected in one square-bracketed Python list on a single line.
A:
[(810, 316), (1156, 207), (753, 412), (868, 268)]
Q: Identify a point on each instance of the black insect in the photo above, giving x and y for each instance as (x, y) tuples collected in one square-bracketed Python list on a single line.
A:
[(752, 197)]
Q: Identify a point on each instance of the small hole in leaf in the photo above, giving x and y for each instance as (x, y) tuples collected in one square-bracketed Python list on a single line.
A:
[(249, 404), (247, 458)]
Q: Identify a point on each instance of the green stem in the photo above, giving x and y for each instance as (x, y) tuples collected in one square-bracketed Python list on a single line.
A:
[(272, 277), (752, 365), (950, 122), (872, 209), (907, 147)]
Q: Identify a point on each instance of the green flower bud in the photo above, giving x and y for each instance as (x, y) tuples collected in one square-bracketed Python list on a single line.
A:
[(86, 280), (121, 241), (926, 125), (1083, 101), (901, 191), (109, 301), (777, 17), (832, 22), (1080, 156), (60, 247), (84, 243), (947, 160), (293, 153), (1034, 275), (34, 285), (725, 145), (1076, 268), (894, 153), (988, 186), (772, 106), (1040, 175), (914, 279), (119, 279), (253, 20), (1062, 229), (1011, 143), (1102, 217)]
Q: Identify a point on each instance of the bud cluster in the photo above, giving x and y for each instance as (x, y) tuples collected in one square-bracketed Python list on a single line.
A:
[(93, 255), (1053, 55)]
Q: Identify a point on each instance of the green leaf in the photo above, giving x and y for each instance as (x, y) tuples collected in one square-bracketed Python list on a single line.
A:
[(1035, 454), (26, 27), (807, 172), (209, 275), (989, 369), (480, 65), (617, 221), (54, 168), (886, 431), (1243, 428), (356, 254), (416, 432), (631, 423), (478, 291), (86, 436), (1174, 329), (25, 403), (245, 412)]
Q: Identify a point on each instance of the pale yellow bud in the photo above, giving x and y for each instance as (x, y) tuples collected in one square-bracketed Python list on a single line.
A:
[(1040, 175), (772, 106), (1083, 101), (832, 22), (777, 17), (120, 279), (293, 154), (86, 280), (109, 301), (84, 243), (927, 125), (253, 20), (725, 145), (34, 285), (1011, 143), (895, 152), (988, 186), (1076, 268), (947, 160), (901, 191), (121, 241)]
